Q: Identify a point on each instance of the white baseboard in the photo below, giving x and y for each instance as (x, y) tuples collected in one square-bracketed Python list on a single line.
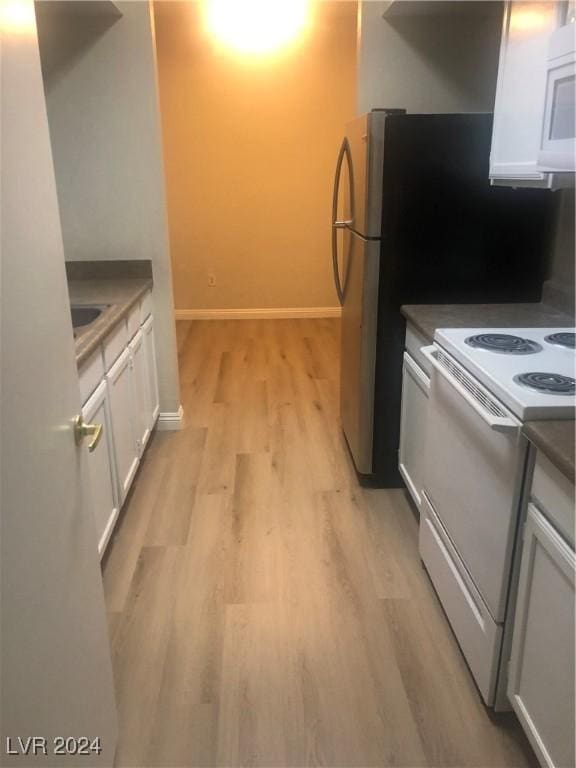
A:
[(170, 421), (272, 313)]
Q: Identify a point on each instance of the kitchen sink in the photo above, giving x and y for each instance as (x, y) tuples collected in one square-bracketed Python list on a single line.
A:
[(85, 314)]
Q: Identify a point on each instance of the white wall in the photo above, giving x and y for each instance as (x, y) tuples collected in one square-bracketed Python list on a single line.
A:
[(102, 98), (428, 63)]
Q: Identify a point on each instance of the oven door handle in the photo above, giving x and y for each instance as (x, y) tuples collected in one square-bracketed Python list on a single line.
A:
[(497, 423)]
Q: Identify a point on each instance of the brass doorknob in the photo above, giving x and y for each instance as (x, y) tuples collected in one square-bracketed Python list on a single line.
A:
[(82, 430)]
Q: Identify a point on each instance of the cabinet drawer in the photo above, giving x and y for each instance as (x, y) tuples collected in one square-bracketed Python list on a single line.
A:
[(91, 374), (554, 494), (133, 321), (146, 306), (114, 344), (478, 634), (414, 342)]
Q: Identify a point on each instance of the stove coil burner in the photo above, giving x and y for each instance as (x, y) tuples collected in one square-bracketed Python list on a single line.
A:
[(504, 343), (563, 339), (547, 383)]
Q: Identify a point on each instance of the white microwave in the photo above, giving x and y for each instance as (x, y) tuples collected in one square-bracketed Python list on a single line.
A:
[(558, 142)]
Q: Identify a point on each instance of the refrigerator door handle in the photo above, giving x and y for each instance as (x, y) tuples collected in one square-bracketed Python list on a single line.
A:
[(343, 153), (336, 224), (335, 268)]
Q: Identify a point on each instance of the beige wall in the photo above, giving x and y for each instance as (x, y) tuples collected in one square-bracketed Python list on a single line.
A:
[(429, 61), (102, 100), (249, 151)]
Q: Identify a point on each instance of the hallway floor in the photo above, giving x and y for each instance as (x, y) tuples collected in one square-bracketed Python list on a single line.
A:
[(266, 611)]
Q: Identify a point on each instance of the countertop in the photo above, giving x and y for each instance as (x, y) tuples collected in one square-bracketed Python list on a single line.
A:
[(427, 317), (553, 438), (556, 440), (121, 294)]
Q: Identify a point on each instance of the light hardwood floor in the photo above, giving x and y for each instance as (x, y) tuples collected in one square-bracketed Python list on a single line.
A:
[(265, 610)]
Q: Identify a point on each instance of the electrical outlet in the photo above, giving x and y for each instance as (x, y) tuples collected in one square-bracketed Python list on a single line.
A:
[(211, 281)]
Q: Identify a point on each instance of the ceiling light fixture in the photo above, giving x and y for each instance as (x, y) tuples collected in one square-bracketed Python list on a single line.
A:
[(256, 26), (17, 17)]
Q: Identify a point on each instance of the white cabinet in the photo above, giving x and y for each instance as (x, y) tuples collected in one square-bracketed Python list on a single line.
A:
[(101, 467), (541, 684), (519, 110), (153, 401), (123, 379), (519, 107), (140, 385), (415, 388), (558, 142), (541, 676), (121, 393)]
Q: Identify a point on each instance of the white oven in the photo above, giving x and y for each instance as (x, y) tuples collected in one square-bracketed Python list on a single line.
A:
[(472, 483), (558, 141)]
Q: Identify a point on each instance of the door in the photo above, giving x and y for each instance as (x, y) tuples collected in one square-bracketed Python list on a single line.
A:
[(140, 384), (101, 468), (121, 393), (413, 418), (357, 195), (479, 636), (55, 655), (152, 389), (358, 346), (342, 215), (365, 137), (472, 476), (541, 678)]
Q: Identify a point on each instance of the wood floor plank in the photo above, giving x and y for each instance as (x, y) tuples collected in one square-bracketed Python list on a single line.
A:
[(184, 731), (264, 610), (124, 550), (169, 519), (446, 706), (139, 649)]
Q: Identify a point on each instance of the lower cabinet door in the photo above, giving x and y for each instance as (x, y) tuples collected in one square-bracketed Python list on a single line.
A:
[(415, 387), (541, 676), (121, 395), (153, 401), (140, 385), (101, 467)]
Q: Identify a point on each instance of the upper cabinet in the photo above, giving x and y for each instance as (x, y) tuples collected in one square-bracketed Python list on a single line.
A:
[(533, 141)]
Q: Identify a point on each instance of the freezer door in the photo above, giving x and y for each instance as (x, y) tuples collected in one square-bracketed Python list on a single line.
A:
[(358, 346), (365, 137)]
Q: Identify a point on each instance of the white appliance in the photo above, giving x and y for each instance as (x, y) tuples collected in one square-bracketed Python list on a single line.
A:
[(484, 383), (530, 370), (558, 142)]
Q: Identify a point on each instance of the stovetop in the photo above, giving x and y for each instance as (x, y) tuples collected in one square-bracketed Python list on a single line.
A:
[(531, 370)]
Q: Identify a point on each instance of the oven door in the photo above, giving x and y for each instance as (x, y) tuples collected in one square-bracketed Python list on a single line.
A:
[(473, 474)]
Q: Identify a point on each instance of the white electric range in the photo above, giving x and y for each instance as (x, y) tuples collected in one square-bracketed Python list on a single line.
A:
[(484, 384), (530, 370)]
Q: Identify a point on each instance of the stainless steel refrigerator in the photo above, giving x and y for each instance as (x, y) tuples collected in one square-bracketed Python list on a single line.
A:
[(415, 220)]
